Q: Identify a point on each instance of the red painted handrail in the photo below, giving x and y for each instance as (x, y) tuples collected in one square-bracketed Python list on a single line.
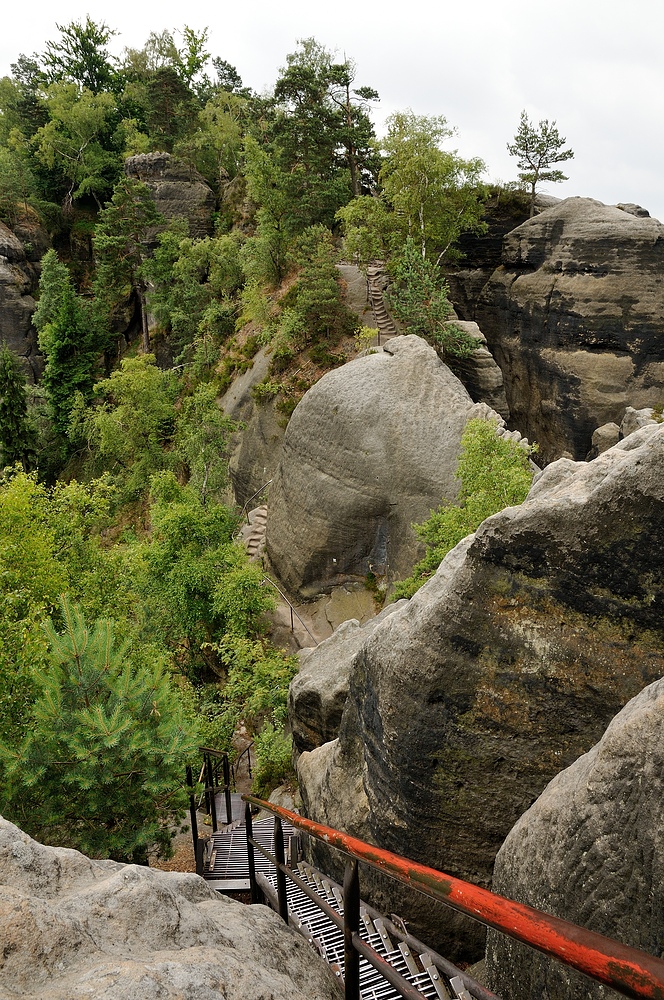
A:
[(626, 970)]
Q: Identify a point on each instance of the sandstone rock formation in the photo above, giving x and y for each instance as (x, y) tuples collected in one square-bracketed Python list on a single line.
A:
[(591, 850), (370, 449), (574, 316), (479, 373), (255, 449), (504, 668), (74, 928), (18, 280), (318, 692), (178, 190)]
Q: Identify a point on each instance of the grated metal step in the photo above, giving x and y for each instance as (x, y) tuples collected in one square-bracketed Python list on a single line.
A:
[(228, 870)]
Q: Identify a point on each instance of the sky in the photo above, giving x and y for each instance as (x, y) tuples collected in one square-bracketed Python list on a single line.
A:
[(593, 66)]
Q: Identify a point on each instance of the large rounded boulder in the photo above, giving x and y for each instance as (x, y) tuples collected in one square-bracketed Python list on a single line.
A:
[(590, 850), (370, 449)]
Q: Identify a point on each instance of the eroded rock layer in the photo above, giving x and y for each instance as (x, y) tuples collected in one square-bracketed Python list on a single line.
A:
[(575, 318), (504, 668), (75, 928), (590, 850)]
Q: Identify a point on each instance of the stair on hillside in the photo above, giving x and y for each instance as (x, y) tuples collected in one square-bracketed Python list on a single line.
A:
[(252, 535), (227, 871), (384, 322)]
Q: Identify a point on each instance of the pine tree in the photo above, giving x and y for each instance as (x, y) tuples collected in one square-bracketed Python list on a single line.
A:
[(17, 439), (69, 339), (102, 766)]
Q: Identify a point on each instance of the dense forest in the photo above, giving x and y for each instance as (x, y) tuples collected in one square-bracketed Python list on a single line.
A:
[(133, 624)]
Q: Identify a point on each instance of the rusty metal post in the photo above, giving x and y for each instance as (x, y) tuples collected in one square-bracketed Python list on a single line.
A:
[(227, 789), (351, 926), (192, 807), (249, 825), (210, 783), (281, 878)]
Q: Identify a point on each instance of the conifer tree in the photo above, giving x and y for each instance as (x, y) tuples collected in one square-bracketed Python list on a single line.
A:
[(17, 442), (103, 762)]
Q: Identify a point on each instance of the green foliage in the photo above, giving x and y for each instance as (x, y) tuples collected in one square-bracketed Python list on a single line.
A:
[(17, 436), (434, 193), (418, 297), (494, 473), (18, 188), (536, 150), (193, 287), (69, 338), (81, 56), (256, 688), (198, 585), (101, 768), (273, 750), (127, 432), (201, 442)]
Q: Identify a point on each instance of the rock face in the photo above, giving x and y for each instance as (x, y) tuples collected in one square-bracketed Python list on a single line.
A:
[(178, 190), (370, 449), (318, 692), (591, 850), (504, 668), (574, 316), (75, 928), (479, 373), (18, 280), (255, 450)]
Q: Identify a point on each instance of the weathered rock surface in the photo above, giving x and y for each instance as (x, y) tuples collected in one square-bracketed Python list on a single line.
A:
[(75, 928), (370, 449), (178, 190), (255, 449), (479, 373), (603, 438), (18, 280), (574, 316), (318, 692), (591, 850), (504, 668)]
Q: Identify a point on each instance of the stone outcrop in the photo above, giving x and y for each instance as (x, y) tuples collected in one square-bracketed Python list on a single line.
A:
[(318, 692), (574, 316), (369, 450), (479, 372), (590, 850), (74, 928), (18, 281), (179, 191), (504, 668), (255, 449)]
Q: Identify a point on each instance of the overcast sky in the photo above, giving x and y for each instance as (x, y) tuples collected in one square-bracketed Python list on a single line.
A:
[(595, 66)]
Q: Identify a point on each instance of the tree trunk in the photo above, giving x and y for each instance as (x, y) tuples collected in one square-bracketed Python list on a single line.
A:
[(144, 321)]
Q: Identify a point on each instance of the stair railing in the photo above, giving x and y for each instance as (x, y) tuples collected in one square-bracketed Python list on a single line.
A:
[(631, 972)]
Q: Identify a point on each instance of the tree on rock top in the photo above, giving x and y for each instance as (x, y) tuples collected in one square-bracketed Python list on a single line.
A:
[(537, 149)]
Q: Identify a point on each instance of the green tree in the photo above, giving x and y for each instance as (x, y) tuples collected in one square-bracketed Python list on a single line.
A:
[(128, 431), (536, 150), (17, 438), (201, 441), (418, 297), (494, 473), (435, 195), (120, 247), (75, 141), (101, 767), (81, 55), (69, 338)]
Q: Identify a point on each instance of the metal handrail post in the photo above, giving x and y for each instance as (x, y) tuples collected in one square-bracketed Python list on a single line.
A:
[(192, 806), (210, 781), (227, 788), (249, 825), (351, 926), (279, 854)]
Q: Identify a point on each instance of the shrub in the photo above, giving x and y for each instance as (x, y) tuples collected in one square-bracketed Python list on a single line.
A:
[(274, 761)]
